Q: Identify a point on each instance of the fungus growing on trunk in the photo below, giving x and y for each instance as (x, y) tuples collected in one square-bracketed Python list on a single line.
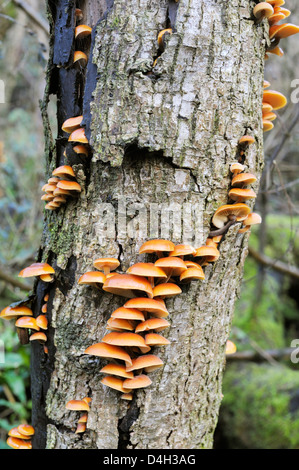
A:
[(127, 285), (157, 246), (109, 351), (263, 10), (106, 264)]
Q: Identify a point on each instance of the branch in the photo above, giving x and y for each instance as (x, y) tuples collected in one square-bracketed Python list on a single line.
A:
[(14, 282), (279, 266), (33, 15), (256, 356)]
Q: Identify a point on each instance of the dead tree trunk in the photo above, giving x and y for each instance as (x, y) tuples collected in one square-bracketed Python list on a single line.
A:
[(162, 140)]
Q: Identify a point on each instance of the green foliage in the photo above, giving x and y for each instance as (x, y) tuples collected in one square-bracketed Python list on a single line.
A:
[(260, 407)]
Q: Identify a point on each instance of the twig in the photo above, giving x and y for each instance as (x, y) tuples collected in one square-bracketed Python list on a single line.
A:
[(256, 356), (33, 15), (14, 282), (279, 266)]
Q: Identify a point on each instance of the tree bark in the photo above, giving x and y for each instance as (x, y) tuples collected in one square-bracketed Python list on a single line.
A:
[(161, 138)]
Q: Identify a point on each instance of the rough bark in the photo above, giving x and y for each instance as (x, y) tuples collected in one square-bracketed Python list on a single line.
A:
[(159, 136)]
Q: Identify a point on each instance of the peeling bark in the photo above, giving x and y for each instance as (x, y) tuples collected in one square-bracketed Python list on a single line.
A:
[(159, 136)]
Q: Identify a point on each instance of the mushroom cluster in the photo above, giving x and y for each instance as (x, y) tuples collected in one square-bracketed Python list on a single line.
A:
[(135, 328), (83, 407), (19, 437), (61, 185), (82, 33), (272, 101), (273, 11), (28, 327), (237, 211)]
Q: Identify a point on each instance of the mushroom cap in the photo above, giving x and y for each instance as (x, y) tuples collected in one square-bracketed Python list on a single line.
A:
[(266, 84), (236, 168), (59, 199), (46, 277), (114, 382), (240, 210), (277, 51), (26, 429), (80, 56), (147, 361), (81, 427), (146, 270), (111, 263), (156, 245), (38, 336), (182, 249), (274, 98), (266, 108), (42, 322), (13, 312), (117, 369), (71, 124), (118, 324), (36, 269), (157, 324), (161, 35), (69, 185), (167, 289), (127, 314), (140, 381), (209, 252), (78, 136), (27, 322), (276, 17), (252, 219), (269, 116), (154, 339), (16, 443), (276, 3), (246, 140), (78, 14), (63, 171), (77, 405), (230, 347), (92, 277), (243, 179), (263, 10), (241, 194), (108, 350), (47, 197), (83, 418), (267, 125), (127, 396), (283, 30), (124, 339), (148, 305), (15, 432), (174, 263), (80, 149), (82, 31), (192, 273), (61, 192), (127, 284)]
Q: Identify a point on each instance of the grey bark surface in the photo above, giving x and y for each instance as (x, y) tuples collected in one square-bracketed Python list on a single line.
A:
[(159, 136)]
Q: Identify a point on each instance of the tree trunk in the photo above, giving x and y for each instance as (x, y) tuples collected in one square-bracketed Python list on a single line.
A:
[(162, 140)]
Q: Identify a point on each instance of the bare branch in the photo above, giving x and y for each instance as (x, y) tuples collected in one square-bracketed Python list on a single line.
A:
[(279, 266), (14, 282), (33, 15)]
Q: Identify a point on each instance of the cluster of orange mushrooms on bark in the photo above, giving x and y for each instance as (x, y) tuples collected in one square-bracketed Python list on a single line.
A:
[(62, 183), (81, 406), (25, 321), (19, 437), (273, 11)]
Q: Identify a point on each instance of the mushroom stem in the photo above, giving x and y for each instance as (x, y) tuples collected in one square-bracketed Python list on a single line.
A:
[(23, 335), (273, 44), (224, 229)]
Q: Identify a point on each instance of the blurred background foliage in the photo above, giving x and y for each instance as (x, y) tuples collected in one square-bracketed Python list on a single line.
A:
[(260, 406)]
